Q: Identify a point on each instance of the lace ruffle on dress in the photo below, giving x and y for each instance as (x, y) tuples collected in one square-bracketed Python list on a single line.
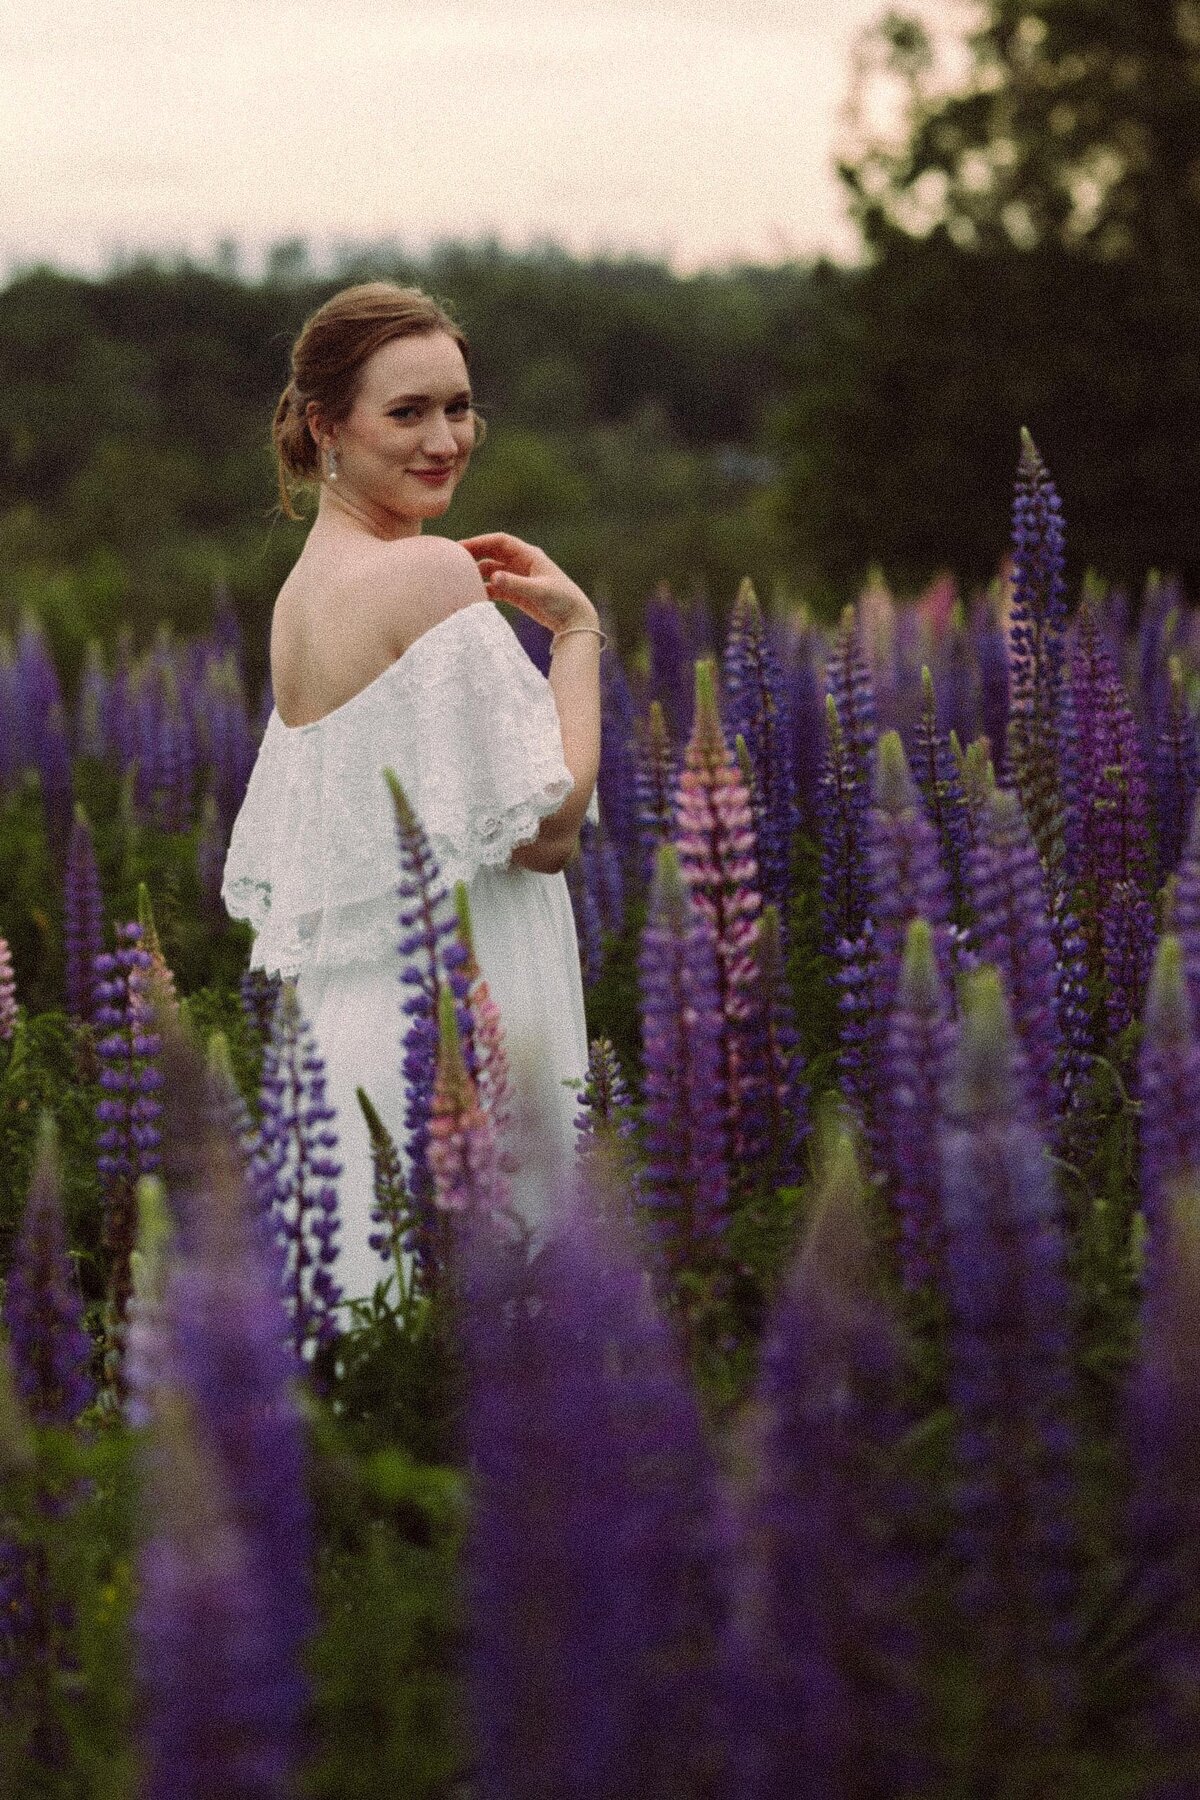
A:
[(470, 727)]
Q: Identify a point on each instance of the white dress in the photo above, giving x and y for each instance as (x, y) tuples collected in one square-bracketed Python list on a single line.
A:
[(470, 727)]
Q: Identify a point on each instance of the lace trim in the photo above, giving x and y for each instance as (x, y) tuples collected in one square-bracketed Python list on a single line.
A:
[(477, 747)]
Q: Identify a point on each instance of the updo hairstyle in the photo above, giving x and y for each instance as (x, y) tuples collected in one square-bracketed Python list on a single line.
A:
[(327, 359)]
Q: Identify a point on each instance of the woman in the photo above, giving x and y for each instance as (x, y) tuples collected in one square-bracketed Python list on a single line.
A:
[(387, 652)]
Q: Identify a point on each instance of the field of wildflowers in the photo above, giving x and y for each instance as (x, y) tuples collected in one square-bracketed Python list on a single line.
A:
[(843, 1437)]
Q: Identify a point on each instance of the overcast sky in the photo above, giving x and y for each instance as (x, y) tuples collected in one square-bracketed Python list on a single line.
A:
[(698, 130)]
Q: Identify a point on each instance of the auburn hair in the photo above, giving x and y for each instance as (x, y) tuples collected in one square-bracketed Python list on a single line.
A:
[(327, 360)]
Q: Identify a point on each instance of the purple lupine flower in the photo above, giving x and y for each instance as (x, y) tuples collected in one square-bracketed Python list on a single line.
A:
[(918, 1044), (1012, 931), (129, 1144), (54, 768), (225, 736), (224, 1602), (43, 1309), (843, 803), (592, 1561), (582, 873), (1037, 632), (604, 1098), (757, 711), (941, 790), (671, 661), (1161, 1435), (1108, 827), (1185, 905), (91, 705), (617, 784), (977, 778), (1150, 654), (8, 994), (1169, 1091), (714, 836), (779, 1073), (905, 872), (806, 710), (10, 746), (848, 679), (855, 979), (1011, 1387), (686, 1171), (391, 1208), (427, 922), (83, 919), (656, 779), (36, 692), (821, 1691), (259, 993), (1176, 772), (957, 683), (296, 1169)]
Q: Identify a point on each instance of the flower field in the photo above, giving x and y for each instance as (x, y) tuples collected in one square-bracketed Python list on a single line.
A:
[(842, 1436)]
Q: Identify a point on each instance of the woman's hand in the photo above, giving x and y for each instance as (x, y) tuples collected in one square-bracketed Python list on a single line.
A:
[(523, 574)]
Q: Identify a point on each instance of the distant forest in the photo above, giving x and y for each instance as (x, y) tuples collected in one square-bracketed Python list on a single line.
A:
[(800, 424)]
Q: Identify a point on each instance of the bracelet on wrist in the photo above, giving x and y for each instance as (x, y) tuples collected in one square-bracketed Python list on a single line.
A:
[(566, 632)]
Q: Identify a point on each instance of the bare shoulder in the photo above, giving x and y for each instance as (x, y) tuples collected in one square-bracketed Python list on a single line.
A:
[(420, 581)]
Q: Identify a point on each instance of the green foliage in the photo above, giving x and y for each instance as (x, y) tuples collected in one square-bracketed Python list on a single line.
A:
[(52, 1064)]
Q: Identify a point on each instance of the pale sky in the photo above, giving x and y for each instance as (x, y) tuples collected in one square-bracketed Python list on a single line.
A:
[(701, 131)]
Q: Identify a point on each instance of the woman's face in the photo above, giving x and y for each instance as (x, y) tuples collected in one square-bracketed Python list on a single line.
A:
[(412, 418)]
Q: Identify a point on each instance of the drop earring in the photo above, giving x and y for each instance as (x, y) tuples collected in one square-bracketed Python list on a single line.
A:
[(331, 465)]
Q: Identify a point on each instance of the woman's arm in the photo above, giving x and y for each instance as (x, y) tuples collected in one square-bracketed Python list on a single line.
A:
[(526, 577)]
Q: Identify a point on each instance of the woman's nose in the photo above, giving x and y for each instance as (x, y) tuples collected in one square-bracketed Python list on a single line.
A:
[(441, 438)]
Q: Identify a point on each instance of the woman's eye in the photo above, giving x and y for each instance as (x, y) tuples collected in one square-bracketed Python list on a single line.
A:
[(400, 412)]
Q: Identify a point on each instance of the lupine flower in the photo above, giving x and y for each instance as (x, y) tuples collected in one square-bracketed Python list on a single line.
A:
[(54, 768), (686, 1178), (604, 1099), (225, 1341), (844, 800), (391, 1209), (225, 1605), (778, 1061), (1161, 1431), (848, 680), (917, 1048), (1037, 647), (1012, 1392), (427, 929), (1176, 772), (128, 1145), (806, 709), (481, 1029), (1169, 1090), (581, 873), (656, 778), (671, 661), (296, 1169), (977, 777), (941, 790), (1012, 931), (43, 1310), (822, 1693), (757, 710), (1108, 826), (991, 653), (905, 873), (617, 783), (464, 1151), (259, 992), (8, 994), (590, 1563), (161, 980), (83, 919), (714, 836)]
